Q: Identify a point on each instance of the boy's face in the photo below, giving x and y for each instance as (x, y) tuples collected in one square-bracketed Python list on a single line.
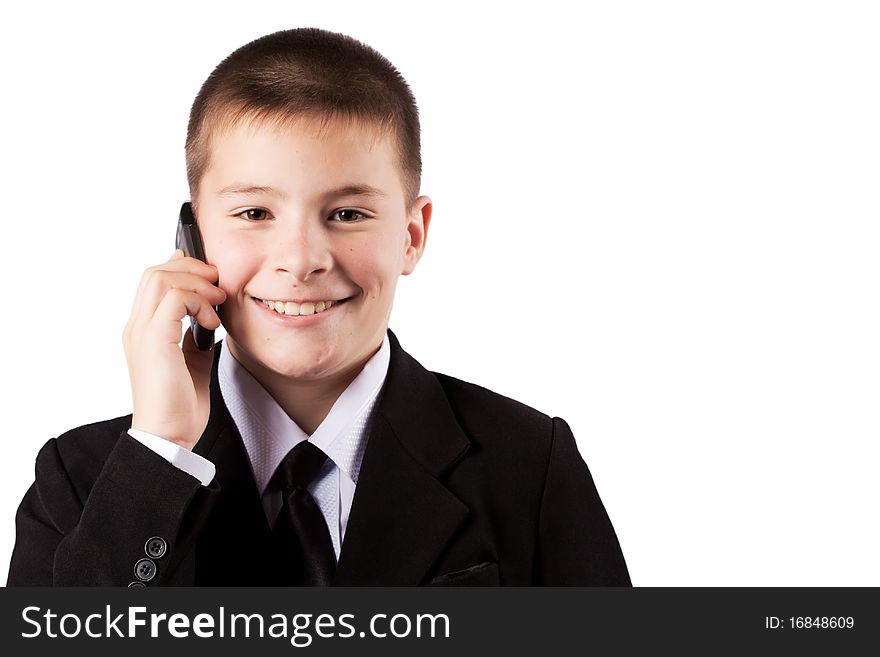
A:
[(307, 237)]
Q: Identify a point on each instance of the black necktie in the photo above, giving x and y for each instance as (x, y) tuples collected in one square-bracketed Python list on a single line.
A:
[(303, 547)]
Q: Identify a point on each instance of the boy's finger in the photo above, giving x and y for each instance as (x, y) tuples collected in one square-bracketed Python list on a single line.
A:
[(193, 264)]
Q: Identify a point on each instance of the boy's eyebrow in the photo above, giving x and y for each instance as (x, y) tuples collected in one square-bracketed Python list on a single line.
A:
[(353, 189), (243, 189)]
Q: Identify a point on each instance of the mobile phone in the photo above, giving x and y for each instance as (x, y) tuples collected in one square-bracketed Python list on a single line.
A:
[(189, 240)]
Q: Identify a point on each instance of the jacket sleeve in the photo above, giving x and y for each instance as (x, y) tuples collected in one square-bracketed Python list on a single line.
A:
[(577, 545), (65, 540)]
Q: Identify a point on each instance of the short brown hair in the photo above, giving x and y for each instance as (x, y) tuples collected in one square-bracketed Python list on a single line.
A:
[(306, 73)]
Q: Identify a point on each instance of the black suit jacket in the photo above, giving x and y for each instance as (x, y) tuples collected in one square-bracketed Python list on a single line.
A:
[(458, 486)]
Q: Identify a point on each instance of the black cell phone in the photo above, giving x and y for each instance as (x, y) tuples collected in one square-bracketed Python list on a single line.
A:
[(189, 240)]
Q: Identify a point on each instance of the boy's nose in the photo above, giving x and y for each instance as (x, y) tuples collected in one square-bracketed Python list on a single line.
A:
[(302, 249)]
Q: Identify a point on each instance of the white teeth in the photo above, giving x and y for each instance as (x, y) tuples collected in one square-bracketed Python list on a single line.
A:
[(293, 309)]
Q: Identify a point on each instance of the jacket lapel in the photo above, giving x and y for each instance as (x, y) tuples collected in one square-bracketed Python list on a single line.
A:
[(402, 516), (238, 524)]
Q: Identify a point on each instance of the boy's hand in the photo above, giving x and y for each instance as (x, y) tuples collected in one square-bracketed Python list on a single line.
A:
[(170, 384)]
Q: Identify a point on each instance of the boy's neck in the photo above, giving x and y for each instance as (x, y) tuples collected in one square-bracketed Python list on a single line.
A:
[(306, 402)]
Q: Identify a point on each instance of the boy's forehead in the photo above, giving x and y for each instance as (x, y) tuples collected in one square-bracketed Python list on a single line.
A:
[(262, 151), (353, 133)]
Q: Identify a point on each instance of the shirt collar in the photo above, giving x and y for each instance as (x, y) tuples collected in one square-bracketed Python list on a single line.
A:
[(269, 434)]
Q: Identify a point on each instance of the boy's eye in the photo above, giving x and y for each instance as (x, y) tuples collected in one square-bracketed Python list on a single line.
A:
[(348, 215), (250, 213)]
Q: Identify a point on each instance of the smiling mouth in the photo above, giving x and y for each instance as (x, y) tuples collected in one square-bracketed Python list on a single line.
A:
[(292, 309)]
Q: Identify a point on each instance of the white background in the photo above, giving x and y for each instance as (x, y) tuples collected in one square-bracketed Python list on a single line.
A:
[(658, 221)]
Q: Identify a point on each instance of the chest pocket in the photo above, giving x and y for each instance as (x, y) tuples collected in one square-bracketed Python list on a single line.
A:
[(482, 574)]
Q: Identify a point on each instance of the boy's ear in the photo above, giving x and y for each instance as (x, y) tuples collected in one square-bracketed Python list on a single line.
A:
[(416, 233)]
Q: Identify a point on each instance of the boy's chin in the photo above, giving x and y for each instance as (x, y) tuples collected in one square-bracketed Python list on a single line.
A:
[(305, 372), (305, 361)]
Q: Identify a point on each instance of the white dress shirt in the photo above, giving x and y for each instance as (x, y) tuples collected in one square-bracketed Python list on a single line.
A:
[(269, 434)]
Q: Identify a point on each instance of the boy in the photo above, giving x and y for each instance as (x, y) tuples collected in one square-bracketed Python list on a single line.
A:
[(307, 448)]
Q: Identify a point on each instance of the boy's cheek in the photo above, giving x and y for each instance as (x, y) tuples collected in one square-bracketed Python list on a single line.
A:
[(233, 264), (377, 279), (380, 257)]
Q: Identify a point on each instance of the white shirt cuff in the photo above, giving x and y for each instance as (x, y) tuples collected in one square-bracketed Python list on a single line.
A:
[(192, 464)]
